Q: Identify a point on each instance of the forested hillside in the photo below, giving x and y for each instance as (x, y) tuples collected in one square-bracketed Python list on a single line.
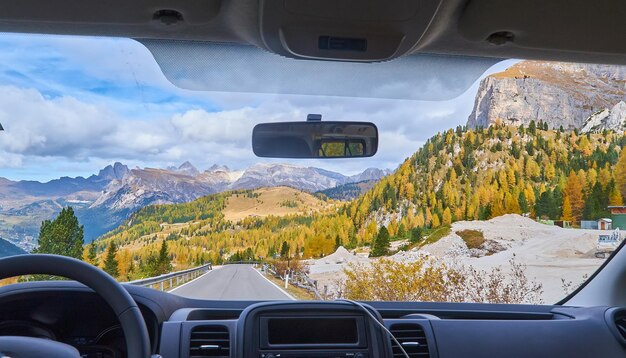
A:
[(198, 231), (479, 174), (457, 175)]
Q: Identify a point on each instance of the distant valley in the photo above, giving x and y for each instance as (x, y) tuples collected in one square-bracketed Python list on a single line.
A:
[(9, 249), (348, 191), (104, 200)]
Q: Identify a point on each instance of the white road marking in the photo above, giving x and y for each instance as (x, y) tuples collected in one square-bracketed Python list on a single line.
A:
[(188, 282), (275, 285)]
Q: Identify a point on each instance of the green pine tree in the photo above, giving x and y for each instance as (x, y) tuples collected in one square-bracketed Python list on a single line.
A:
[(416, 235), (523, 203), (546, 206), (284, 250), (381, 243), (532, 127), (401, 234), (131, 270), (61, 236), (164, 261), (110, 262), (92, 255)]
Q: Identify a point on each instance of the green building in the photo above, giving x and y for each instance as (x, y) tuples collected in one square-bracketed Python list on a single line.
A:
[(618, 215)]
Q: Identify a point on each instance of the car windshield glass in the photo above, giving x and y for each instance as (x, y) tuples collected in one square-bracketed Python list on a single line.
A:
[(494, 181)]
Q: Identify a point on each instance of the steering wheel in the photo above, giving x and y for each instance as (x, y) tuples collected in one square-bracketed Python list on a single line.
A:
[(105, 286)]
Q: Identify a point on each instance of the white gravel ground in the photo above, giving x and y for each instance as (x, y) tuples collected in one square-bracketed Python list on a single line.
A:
[(550, 253)]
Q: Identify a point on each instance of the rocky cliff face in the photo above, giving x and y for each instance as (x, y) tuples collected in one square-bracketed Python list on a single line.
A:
[(614, 119), (142, 187), (561, 94)]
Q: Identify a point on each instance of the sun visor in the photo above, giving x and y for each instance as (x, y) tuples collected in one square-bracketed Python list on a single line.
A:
[(555, 25), (217, 67)]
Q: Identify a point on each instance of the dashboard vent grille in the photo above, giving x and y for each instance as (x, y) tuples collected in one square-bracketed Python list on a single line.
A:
[(412, 338), (620, 323), (209, 341)]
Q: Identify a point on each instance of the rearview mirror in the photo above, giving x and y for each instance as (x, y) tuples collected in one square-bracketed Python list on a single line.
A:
[(315, 139)]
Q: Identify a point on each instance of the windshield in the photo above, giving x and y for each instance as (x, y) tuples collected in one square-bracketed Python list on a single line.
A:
[(510, 192)]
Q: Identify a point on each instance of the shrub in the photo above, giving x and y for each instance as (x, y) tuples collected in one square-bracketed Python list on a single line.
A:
[(295, 266), (474, 239), (289, 204), (430, 280)]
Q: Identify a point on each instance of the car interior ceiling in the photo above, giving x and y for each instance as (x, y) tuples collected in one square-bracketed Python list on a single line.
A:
[(557, 30)]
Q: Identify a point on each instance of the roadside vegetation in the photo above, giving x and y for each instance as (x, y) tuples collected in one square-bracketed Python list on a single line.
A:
[(297, 292), (296, 270), (432, 281)]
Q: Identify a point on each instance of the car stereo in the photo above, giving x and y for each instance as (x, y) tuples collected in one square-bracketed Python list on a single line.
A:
[(312, 330), (304, 331)]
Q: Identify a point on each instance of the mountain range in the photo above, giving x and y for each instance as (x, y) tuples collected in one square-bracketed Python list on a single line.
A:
[(103, 201)]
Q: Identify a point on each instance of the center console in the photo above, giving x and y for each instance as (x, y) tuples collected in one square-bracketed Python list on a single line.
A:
[(329, 330)]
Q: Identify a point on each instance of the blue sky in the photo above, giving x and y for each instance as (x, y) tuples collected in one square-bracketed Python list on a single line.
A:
[(72, 105)]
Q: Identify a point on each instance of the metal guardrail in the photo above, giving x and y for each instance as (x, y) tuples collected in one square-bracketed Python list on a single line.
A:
[(299, 279), (308, 284), (248, 262), (171, 280)]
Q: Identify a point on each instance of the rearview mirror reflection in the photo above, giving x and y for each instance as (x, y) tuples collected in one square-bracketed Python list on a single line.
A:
[(315, 139)]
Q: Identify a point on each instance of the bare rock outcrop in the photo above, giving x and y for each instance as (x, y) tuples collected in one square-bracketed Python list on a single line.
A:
[(561, 94)]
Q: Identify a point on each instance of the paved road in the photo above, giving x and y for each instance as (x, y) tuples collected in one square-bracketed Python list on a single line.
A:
[(232, 282)]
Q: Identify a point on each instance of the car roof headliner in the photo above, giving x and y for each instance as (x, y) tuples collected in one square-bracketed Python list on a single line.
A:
[(565, 30)]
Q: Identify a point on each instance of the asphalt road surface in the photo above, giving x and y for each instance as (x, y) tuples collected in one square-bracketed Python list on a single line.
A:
[(231, 282)]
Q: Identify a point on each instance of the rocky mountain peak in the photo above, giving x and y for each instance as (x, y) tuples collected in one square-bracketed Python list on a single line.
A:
[(218, 168), (370, 174), (117, 171), (561, 94), (188, 169)]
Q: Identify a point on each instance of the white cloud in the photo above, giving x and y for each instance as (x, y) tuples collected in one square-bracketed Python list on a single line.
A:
[(39, 126), (77, 134), (69, 130)]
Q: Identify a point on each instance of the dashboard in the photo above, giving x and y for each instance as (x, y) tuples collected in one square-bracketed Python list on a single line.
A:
[(81, 319), (179, 327)]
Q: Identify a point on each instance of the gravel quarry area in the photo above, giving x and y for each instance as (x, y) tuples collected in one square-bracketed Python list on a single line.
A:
[(551, 254), (329, 270)]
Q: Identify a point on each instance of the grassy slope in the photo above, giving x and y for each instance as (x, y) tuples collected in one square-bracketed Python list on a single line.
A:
[(277, 201)]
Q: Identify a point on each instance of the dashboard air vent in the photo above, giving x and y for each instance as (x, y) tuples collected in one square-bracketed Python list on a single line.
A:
[(412, 338), (209, 341), (620, 323)]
